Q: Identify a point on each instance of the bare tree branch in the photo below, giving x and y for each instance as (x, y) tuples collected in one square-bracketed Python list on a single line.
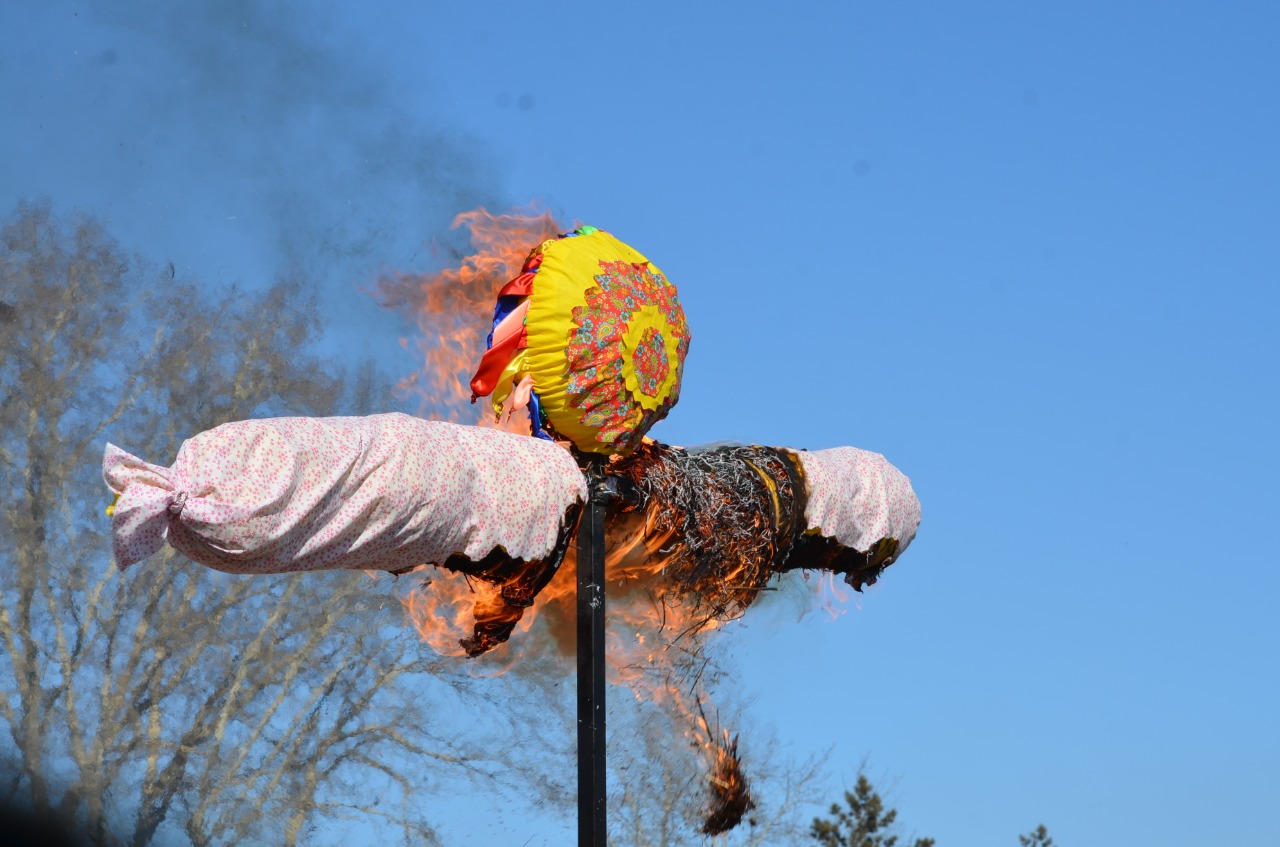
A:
[(170, 697)]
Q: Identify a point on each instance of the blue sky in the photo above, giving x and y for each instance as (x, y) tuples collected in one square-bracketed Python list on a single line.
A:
[(1026, 250)]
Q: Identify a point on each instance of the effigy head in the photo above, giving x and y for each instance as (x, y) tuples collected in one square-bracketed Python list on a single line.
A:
[(592, 336)]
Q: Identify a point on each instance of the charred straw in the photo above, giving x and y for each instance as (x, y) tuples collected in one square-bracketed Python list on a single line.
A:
[(730, 794), (727, 519), (732, 517)]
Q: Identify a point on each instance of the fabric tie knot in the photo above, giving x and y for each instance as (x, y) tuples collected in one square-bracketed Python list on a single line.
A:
[(179, 500)]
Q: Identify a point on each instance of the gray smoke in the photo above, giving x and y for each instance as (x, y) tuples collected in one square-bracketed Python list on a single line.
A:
[(237, 139)]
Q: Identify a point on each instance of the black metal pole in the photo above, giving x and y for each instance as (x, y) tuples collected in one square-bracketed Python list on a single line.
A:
[(591, 653)]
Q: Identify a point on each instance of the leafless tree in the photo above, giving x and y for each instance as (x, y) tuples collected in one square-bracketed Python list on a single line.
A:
[(170, 703)]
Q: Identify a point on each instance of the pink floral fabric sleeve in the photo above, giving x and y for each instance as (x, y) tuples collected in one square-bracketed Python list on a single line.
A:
[(383, 492), (858, 498)]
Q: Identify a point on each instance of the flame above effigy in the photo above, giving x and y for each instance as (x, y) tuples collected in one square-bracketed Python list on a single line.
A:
[(451, 307)]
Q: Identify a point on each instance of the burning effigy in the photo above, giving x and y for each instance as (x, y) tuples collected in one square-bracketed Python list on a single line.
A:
[(707, 528), (589, 338)]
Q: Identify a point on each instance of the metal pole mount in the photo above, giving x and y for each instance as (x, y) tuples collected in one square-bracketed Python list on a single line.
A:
[(592, 831)]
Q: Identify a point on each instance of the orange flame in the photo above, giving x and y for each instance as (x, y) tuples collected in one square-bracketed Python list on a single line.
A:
[(453, 310), (453, 307)]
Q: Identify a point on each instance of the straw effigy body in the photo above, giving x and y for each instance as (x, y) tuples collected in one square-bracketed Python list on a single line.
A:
[(705, 528)]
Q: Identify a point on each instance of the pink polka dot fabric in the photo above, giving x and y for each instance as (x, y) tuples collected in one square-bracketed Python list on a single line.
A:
[(383, 492), (858, 498)]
